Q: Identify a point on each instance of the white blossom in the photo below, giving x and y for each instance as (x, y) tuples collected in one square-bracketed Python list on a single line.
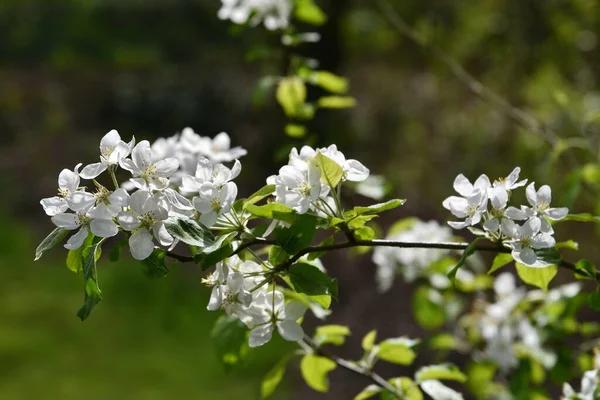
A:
[(525, 239), (112, 151), (145, 214), (470, 208), (274, 14), (69, 194), (148, 175)]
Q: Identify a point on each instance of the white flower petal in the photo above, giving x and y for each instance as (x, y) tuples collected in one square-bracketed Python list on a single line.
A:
[(67, 221), (81, 201), (356, 171), (290, 330), (556, 214), (166, 167), (294, 310), (77, 239), (54, 205), (104, 227), (544, 194), (110, 140), (514, 213), (68, 180), (462, 185), (260, 335), (141, 245), (138, 200), (531, 194), (525, 256), (91, 171), (128, 221), (119, 198)]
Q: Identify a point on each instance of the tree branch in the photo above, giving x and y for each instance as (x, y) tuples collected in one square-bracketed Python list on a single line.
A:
[(353, 367)]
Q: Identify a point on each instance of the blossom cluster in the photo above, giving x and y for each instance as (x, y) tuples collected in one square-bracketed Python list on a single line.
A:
[(299, 184), (525, 230), (590, 383), (274, 14), (411, 262), (239, 288), (508, 331), (205, 191)]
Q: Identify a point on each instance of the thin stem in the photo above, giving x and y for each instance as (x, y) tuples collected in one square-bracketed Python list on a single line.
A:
[(352, 366), (111, 171)]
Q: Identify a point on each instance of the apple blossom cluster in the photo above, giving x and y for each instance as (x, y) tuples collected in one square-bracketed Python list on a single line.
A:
[(239, 289), (508, 331), (206, 191), (274, 14), (525, 230), (590, 382), (300, 187), (411, 262)]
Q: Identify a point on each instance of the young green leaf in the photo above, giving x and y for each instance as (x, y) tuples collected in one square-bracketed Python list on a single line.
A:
[(229, 335), (585, 270), (272, 211), (54, 238), (92, 292), (330, 82), (307, 11), (155, 266), (428, 314), (539, 277), (377, 208), (369, 340), (297, 236), (314, 371), (190, 232), (273, 377), (260, 194), (469, 251), (594, 301), (75, 257), (368, 392), (331, 172), (312, 281), (447, 372), (397, 351), (331, 334), (583, 217), (295, 130), (208, 260), (336, 102), (291, 95), (406, 386), (500, 261)]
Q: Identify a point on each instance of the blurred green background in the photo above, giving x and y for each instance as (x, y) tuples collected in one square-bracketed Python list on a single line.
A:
[(72, 70)]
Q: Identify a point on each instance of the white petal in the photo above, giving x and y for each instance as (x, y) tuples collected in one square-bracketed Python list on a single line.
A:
[(110, 140), (204, 170), (462, 185), (514, 213), (119, 152), (356, 171), (525, 256), (235, 170), (290, 330), (531, 194), (438, 391), (92, 171), (68, 180), (101, 211), (531, 227), (119, 198), (482, 183), (103, 227), (208, 219), (138, 200), (498, 197), (459, 225), (543, 241), (222, 142), (166, 167), (492, 225), (141, 245), (128, 221), (141, 155), (130, 166), (81, 201), (544, 194), (77, 239), (294, 310), (54, 205), (260, 335), (161, 234), (509, 228), (216, 298), (557, 213), (511, 179), (67, 221)]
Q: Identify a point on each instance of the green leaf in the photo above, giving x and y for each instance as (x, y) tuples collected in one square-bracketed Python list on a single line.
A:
[(447, 372), (277, 255), (586, 270), (155, 266), (329, 81), (115, 251), (312, 281), (568, 244), (479, 376), (402, 225), (369, 340), (428, 314), (314, 371), (54, 238), (331, 172), (298, 235), (500, 261), (377, 208), (307, 11), (583, 217), (318, 254), (295, 131), (272, 211), (397, 351), (220, 242), (469, 251), (190, 232), (75, 257), (368, 392), (594, 301), (273, 378), (407, 387), (539, 277), (92, 292), (336, 102), (260, 194), (229, 335), (443, 341), (291, 95), (331, 334), (206, 261)]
